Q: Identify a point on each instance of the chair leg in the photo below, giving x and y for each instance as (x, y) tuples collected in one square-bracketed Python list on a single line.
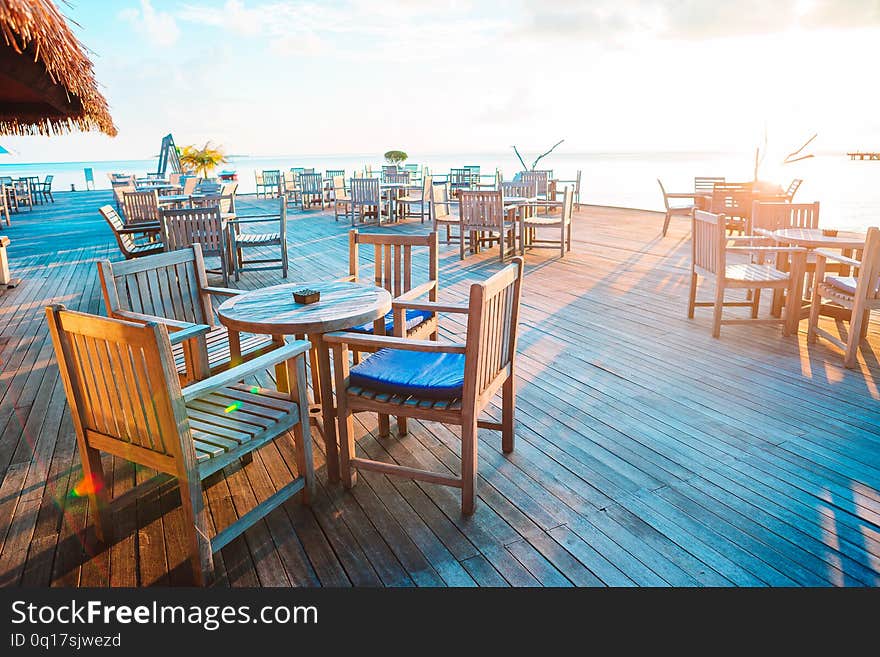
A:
[(99, 496), (718, 309), (401, 426), (853, 339), (666, 223), (195, 520), (692, 298), (468, 465), (283, 256), (756, 302), (508, 414), (384, 425)]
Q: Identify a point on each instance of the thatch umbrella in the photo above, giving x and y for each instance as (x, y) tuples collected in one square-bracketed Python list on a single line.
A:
[(47, 84)]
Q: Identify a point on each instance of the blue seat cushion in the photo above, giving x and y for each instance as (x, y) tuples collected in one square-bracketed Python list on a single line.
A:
[(413, 319), (411, 374)]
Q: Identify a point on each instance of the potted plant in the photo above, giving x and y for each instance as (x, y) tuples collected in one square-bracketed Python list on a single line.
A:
[(202, 160)]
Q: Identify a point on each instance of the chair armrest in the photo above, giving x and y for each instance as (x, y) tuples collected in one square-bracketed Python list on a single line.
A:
[(763, 232), (347, 279), (254, 218), (767, 249), (680, 195), (388, 342), (751, 239), (237, 373), (431, 306), (188, 333), (172, 324), (417, 291), (145, 228), (222, 291), (831, 255)]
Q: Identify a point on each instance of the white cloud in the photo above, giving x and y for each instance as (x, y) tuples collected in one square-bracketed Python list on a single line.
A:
[(159, 27)]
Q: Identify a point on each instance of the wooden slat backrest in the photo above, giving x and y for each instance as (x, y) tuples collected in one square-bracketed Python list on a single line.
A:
[(125, 240), (332, 173), (121, 385), (868, 286), (272, 177), (258, 178), (493, 319), (393, 258), (166, 285), (120, 190), (732, 199), (706, 183), (459, 178), (707, 242), (365, 191), (481, 210), (663, 191), (399, 177), (440, 201), (183, 227), (310, 183), (777, 215), (339, 186), (141, 207), (538, 178), (792, 188), (387, 170), (519, 188), (567, 205), (427, 181)]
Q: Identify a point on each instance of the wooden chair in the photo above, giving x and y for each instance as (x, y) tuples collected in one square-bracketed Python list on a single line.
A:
[(271, 182), (734, 201), (4, 203), (366, 200), (45, 189), (441, 213), (860, 294), (709, 250), (674, 210), (482, 219), (767, 217), (413, 198), (126, 236), (438, 381), (329, 186), (183, 227), (576, 188), (341, 198), (189, 185), (531, 223), (706, 184), (222, 197), (242, 241), (388, 169), (311, 190), (119, 191), (458, 179), (129, 403), (792, 189), (260, 185), (22, 194), (141, 207), (172, 289)]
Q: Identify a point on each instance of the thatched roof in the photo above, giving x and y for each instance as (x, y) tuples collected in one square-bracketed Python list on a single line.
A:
[(47, 84)]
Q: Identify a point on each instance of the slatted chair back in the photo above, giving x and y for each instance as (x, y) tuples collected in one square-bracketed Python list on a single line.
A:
[(388, 170), (473, 173), (166, 285), (141, 207), (770, 216), (538, 178), (792, 188), (732, 199), (258, 179), (365, 191), (329, 174), (868, 286), (708, 242), (481, 210), (339, 187), (183, 227), (412, 169), (272, 178), (459, 178), (663, 191), (519, 188), (393, 259), (124, 394), (125, 240), (398, 178), (189, 185), (209, 188), (311, 184), (227, 197), (706, 184), (493, 319)]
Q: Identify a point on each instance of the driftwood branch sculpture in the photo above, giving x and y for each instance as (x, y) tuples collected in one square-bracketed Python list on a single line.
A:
[(537, 159)]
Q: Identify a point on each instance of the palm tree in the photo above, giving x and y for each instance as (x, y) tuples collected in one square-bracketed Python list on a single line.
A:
[(202, 160)]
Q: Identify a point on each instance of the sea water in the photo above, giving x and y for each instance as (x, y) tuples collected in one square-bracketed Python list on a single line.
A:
[(848, 191)]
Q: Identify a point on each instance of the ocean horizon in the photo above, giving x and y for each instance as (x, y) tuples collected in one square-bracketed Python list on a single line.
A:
[(849, 191)]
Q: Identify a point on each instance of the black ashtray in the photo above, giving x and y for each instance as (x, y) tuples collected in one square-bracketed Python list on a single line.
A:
[(829, 232), (305, 295)]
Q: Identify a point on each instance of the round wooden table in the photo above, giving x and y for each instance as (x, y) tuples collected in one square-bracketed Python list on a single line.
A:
[(272, 311)]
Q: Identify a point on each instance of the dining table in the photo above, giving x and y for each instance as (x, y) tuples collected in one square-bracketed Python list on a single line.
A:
[(273, 311), (845, 241)]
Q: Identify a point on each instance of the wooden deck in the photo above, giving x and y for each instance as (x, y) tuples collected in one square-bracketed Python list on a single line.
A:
[(647, 453)]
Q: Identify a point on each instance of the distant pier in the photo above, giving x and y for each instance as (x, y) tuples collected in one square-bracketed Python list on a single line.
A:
[(864, 156)]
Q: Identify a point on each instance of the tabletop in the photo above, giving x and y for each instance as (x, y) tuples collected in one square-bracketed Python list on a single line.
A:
[(813, 238), (272, 310)]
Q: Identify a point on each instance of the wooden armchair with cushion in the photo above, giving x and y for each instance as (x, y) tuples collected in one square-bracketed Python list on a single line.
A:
[(709, 251), (125, 399), (172, 289), (860, 294), (439, 381)]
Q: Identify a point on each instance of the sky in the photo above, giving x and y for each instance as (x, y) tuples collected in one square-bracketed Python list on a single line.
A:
[(283, 77)]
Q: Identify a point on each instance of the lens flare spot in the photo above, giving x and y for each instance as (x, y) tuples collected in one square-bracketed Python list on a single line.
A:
[(234, 406), (87, 486), (255, 389)]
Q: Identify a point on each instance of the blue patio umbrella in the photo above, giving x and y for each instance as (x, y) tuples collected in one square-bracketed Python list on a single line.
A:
[(5, 151)]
